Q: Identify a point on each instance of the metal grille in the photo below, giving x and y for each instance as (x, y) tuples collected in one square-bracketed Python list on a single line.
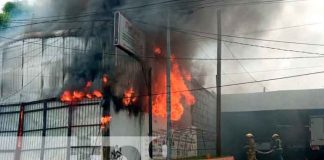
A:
[(48, 128)]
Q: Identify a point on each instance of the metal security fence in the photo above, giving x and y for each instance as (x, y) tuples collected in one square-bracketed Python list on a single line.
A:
[(49, 129)]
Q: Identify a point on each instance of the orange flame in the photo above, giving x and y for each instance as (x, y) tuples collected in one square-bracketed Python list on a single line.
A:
[(89, 96), (66, 96), (179, 93), (79, 95), (157, 51), (97, 94), (129, 97), (105, 79), (105, 120), (89, 84)]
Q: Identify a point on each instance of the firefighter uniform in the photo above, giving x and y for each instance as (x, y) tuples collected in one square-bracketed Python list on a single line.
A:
[(250, 148), (276, 147)]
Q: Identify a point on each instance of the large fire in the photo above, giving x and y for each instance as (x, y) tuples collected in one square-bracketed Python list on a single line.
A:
[(69, 96), (180, 94)]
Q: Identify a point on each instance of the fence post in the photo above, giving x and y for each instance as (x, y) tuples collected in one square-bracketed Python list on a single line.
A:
[(68, 153), (44, 130), (20, 132)]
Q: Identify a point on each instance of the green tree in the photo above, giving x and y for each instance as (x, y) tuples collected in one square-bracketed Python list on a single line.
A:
[(13, 8), (4, 19), (9, 7)]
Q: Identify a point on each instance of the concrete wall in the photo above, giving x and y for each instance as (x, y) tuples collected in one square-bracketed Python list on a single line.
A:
[(128, 131), (281, 100)]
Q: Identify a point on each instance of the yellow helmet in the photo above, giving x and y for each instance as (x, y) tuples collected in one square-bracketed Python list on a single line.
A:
[(275, 135), (249, 135)]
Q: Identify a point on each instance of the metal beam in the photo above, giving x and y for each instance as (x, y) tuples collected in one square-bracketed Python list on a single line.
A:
[(218, 85), (168, 100)]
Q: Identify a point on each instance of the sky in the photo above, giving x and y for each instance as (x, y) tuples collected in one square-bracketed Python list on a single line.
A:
[(2, 2)]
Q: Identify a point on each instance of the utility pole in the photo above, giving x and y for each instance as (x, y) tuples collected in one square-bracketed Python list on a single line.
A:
[(168, 100), (150, 112), (218, 86)]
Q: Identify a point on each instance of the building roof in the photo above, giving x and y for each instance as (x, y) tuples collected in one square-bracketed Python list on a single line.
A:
[(31, 35), (279, 100)]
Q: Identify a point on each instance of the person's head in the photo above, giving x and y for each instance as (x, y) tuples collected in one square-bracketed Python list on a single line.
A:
[(275, 136)]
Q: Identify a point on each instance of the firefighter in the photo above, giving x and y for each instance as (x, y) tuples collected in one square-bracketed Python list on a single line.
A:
[(250, 148), (276, 147)]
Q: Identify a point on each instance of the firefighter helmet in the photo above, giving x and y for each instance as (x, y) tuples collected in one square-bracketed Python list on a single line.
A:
[(275, 135), (249, 135)]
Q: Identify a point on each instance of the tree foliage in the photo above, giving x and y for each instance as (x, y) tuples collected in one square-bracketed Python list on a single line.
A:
[(9, 10), (4, 19), (10, 7)]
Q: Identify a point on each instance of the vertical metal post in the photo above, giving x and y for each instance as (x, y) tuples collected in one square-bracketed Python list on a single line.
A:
[(22, 69), (5, 49), (64, 61), (168, 100), (68, 153), (150, 111), (42, 67), (20, 132), (44, 130), (218, 86)]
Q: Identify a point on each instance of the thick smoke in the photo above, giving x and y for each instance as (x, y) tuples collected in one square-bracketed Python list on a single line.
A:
[(87, 16), (84, 68), (93, 18), (236, 20)]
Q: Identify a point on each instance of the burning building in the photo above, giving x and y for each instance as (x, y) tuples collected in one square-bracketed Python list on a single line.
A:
[(58, 78), (73, 84)]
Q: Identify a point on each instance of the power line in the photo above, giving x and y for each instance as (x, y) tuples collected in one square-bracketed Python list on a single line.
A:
[(281, 28), (207, 5), (59, 16), (63, 21), (259, 39), (188, 58), (250, 82), (275, 70), (243, 67), (64, 18), (179, 30), (262, 71), (224, 59), (54, 21), (274, 79), (202, 5), (156, 4), (236, 84)]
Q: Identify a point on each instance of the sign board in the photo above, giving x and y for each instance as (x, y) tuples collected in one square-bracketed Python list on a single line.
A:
[(127, 36)]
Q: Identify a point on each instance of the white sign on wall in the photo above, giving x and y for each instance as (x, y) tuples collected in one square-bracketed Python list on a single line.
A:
[(127, 36)]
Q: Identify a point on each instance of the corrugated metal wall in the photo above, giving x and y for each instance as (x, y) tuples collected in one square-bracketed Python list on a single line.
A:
[(33, 69)]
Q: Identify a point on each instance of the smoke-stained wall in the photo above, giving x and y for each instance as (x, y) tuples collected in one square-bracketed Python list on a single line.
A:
[(36, 68)]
